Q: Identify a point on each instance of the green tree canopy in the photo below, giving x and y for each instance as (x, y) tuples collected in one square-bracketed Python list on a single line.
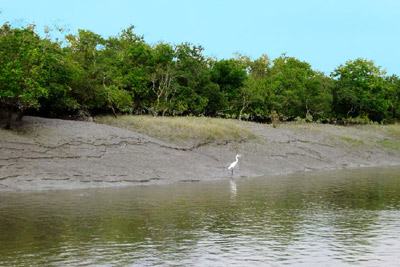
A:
[(30, 68), (287, 85), (229, 75), (125, 74), (360, 90)]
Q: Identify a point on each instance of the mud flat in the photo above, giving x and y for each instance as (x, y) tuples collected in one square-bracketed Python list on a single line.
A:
[(42, 154)]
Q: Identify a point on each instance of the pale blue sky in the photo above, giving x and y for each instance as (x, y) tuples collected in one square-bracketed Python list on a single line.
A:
[(324, 33)]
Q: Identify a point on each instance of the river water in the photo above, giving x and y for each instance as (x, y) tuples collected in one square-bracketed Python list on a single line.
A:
[(348, 217)]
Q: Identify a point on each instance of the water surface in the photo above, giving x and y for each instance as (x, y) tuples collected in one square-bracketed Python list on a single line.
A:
[(321, 218)]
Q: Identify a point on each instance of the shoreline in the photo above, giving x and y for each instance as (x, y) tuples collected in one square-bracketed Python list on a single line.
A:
[(48, 154), (355, 169)]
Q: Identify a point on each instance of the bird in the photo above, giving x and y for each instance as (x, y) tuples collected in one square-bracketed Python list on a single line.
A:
[(233, 164)]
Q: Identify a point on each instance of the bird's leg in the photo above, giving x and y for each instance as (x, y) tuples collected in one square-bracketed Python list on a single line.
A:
[(232, 171)]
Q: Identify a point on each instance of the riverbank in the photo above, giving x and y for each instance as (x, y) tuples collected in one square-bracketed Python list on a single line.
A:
[(59, 154)]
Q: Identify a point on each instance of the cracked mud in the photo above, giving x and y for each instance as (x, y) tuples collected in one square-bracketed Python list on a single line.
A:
[(58, 154)]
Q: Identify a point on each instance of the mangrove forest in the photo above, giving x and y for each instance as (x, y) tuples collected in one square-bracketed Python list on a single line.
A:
[(88, 74)]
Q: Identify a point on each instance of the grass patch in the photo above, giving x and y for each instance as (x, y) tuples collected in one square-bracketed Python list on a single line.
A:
[(181, 129), (390, 144), (352, 141), (393, 131)]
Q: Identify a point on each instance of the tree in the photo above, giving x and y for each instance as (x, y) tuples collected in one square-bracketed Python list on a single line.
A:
[(287, 86), (191, 69), (253, 92), (393, 97), (360, 90), (319, 96), (260, 67), (230, 76), (163, 77), (83, 53), (126, 74), (130, 60), (30, 68), (216, 101)]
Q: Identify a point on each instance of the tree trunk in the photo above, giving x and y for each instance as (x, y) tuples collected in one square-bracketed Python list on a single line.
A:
[(110, 102), (9, 118), (245, 104), (20, 115)]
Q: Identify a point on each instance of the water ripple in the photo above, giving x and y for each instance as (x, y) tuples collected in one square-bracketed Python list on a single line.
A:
[(329, 219)]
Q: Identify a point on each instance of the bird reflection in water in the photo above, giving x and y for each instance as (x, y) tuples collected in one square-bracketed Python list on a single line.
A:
[(232, 184)]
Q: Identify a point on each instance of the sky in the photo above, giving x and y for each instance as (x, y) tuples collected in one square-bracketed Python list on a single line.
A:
[(324, 33)]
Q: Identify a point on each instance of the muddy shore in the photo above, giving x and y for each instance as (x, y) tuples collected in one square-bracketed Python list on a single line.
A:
[(45, 154)]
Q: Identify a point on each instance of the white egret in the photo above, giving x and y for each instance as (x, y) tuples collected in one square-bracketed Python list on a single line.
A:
[(233, 164)]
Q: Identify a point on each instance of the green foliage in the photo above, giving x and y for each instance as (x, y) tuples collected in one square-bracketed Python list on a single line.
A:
[(34, 72), (26, 72), (216, 100), (127, 75), (120, 99), (163, 78), (84, 54), (131, 60), (296, 90), (393, 97), (253, 91), (358, 120), (360, 89), (230, 76), (191, 68), (319, 97)]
